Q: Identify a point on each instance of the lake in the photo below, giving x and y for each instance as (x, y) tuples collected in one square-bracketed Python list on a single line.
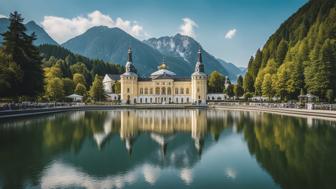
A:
[(167, 149)]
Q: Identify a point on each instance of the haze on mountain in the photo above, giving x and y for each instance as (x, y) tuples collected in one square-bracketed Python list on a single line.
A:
[(42, 36)]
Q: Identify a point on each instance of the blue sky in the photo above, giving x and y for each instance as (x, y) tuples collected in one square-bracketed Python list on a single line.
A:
[(229, 29)]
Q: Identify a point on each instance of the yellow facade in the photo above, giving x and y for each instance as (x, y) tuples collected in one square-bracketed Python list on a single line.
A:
[(163, 86)]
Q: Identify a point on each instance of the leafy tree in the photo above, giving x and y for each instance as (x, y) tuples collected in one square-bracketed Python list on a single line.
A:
[(68, 86), (230, 90), (54, 89), (10, 76), (116, 87), (267, 86), (330, 96), (97, 89), (216, 82), (78, 79), (80, 89), (19, 46)]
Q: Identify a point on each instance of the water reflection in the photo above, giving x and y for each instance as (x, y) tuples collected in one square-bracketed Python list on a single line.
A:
[(157, 148)]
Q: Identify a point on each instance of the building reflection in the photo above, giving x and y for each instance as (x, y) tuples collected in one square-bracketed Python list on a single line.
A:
[(162, 126)]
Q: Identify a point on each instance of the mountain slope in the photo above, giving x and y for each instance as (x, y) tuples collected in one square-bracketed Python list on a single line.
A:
[(111, 44), (42, 36), (231, 68), (300, 55), (186, 48)]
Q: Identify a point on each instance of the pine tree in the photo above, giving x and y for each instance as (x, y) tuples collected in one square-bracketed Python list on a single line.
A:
[(19, 45)]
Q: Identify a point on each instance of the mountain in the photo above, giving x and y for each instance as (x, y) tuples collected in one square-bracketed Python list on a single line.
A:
[(186, 48), (42, 36), (111, 44), (299, 56), (231, 68)]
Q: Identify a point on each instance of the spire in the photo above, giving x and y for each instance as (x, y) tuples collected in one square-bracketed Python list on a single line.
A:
[(199, 55), (129, 66), (129, 55), (199, 65)]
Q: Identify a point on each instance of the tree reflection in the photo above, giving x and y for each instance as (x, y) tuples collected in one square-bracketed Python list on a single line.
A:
[(296, 152)]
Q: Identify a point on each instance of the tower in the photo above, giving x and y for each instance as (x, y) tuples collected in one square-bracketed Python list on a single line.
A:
[(129, 82), (199, 82)]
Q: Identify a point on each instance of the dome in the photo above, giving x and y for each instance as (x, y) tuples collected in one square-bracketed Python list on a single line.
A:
[(163, 72)]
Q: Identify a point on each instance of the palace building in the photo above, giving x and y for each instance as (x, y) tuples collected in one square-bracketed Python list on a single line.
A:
[(163, 86)]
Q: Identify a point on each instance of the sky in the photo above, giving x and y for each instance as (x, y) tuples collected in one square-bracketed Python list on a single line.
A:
[(229, 29)]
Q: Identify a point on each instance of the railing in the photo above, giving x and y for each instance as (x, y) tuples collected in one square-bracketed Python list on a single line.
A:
[(36, 105), (319, 106)]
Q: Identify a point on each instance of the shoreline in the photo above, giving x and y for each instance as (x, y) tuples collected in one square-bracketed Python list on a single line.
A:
[(283, 111)]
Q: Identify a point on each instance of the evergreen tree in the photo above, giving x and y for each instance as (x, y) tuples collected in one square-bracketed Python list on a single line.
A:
[(19, 46), (238, 89), (248, 83)]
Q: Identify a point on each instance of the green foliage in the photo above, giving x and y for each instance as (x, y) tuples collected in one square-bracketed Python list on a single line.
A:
[(25, 59), (116, 87), (54, 89), (10, 76), (81, 89), (301, 54), (78, 79), (230, 90), (216, 82), (68, 86), (267, 86), (97, 89), (330, 95), (238, 89)]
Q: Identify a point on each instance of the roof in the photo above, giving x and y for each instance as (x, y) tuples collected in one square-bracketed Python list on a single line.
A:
[(163, 72), (74, 96), (114, 77)]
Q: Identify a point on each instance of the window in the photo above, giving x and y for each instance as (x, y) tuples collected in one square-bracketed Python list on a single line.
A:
[(187, 90), (169, 91), (181, 91), (198, 90), (151, 90), (157, 90), (141, 91), (128, 90), (163, 90), (176, 91), (146, 91)]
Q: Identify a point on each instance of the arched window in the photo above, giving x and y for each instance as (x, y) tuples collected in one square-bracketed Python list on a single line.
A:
[(157, 90), (169, 91), (140, 100), (187, 100), (176, 91), (145, 100), (181, 100), (163, 90), (187, 90), (181, 90), (146, 91)]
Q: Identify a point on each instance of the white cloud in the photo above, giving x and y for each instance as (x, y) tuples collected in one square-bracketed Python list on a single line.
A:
[(230, 34), (188, 27), (3, 16), (62, 29)]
